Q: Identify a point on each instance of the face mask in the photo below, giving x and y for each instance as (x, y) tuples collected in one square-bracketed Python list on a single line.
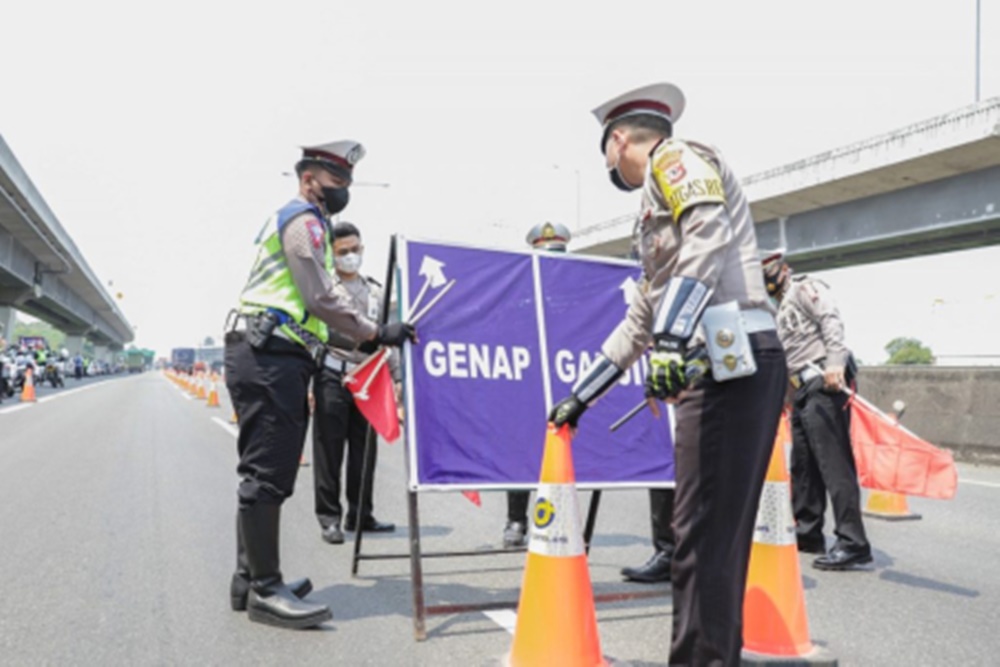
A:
[(616, 176), (620, 181), (335, 199), (349, 263)]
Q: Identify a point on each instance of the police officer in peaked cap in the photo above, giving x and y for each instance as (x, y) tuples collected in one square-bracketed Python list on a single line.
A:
[(287, 311), (717, 356), (820, 367)]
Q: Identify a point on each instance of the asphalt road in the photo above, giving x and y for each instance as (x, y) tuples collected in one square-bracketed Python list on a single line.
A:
[(117, 547)]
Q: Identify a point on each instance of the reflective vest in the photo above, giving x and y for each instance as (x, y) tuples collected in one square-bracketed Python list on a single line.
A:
[(270, 285)]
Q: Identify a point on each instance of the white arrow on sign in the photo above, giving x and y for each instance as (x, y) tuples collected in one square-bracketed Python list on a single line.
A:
[(628, 288), (432, 271)]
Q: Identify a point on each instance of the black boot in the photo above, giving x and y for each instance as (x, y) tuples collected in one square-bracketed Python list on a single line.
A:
[(270, 600), (661, 512), (654, 570), (239, 587)]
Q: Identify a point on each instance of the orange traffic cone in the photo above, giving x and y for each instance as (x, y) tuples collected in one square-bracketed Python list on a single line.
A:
[(213, 394), (28, 391), (201, 394), (556, 622), (888, 506), (775, 628)]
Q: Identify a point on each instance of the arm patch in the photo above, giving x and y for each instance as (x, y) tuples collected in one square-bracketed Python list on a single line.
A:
[(685, 178)]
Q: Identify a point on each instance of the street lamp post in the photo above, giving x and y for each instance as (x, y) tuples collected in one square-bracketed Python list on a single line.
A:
[(978, 38)]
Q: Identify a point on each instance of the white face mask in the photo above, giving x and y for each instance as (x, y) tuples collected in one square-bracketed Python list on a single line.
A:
[(349, 263)]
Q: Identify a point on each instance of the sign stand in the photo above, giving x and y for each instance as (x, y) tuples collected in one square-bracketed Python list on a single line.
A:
[(415, 555)]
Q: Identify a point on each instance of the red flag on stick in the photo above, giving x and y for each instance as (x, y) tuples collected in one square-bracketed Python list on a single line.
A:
[(371, 386), (891, 458)]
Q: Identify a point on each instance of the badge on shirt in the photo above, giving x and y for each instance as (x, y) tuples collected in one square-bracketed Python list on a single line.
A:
[(685, 178), (315, 233)]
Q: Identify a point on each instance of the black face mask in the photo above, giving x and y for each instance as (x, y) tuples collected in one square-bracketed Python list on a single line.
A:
[(616, 178), (335, 199)]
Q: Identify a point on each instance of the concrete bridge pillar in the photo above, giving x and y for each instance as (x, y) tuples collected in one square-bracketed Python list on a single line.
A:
[(8, 314), (74, 344)]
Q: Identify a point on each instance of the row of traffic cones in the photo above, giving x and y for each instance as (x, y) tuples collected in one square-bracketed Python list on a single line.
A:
[(202, 386)]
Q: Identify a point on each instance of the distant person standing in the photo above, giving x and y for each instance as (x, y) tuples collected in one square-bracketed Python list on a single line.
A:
[(337, 421), (820, 368), (287, 310), (551, 238)]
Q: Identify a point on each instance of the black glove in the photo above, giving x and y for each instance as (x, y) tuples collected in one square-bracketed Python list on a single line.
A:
[(395, 334), (567, 411), (672, 370)]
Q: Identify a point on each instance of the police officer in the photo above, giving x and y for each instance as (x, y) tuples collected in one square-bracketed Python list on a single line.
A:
[(286, 311), (550, 237), (820, 368), (337, 421), (716, 354)]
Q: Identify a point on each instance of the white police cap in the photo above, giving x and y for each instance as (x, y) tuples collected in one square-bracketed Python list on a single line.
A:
[(664, 100), (337, 156)]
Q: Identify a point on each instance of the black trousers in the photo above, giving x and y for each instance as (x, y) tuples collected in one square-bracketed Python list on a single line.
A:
[(823, 462), (725, 435), (661, 514), (337, 423), (269, 390), (517, 506)]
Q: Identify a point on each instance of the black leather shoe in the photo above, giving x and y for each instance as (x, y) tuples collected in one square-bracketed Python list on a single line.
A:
[(332, 534), (240, 588), (370, 525), (514, 534), (812, 545), (276, 605), (840, 558), (655, 570)]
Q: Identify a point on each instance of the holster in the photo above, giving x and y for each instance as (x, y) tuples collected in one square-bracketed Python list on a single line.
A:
[(728, 342)]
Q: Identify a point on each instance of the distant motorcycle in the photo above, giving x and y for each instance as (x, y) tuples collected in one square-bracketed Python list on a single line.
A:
[(53, 375)]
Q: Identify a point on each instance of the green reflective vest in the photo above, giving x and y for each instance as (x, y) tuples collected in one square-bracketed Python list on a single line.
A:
[(270, 285)]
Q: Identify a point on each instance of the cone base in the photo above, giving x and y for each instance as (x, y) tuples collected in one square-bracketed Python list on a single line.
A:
[(817, 657), (891, 517), (556, 621), (505, 661)]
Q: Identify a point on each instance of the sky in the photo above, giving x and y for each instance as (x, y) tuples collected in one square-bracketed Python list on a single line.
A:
[(160, 133)]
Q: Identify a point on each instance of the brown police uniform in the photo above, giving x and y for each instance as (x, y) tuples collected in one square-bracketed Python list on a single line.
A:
[(337, 422), (695, 221), (812, 333)]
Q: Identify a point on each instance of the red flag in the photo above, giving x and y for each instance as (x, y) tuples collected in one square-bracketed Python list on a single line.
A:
[(891, 458), (473, 497), (371, 386)]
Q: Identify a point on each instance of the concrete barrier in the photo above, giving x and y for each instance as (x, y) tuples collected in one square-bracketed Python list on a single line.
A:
[(953, 407)]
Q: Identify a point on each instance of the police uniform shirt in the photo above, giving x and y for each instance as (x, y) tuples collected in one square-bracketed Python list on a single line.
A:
[(304, 243), (694, 222), (365, 296), (809, 325)]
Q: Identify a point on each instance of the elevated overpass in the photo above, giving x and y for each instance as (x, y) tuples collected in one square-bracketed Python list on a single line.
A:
[(927, 188), (43, 273)]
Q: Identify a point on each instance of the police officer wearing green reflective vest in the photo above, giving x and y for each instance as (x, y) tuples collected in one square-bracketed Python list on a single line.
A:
[(287, 310), (703, 305)]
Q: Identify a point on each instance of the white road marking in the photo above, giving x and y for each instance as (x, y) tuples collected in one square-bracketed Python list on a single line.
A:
[(505, 618), (51, 397), (992, 485), (227, 427)]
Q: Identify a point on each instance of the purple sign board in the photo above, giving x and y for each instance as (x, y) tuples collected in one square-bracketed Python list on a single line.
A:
[(502, 336)]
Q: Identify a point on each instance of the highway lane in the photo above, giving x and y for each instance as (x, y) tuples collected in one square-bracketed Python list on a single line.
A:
[(117, 538)]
